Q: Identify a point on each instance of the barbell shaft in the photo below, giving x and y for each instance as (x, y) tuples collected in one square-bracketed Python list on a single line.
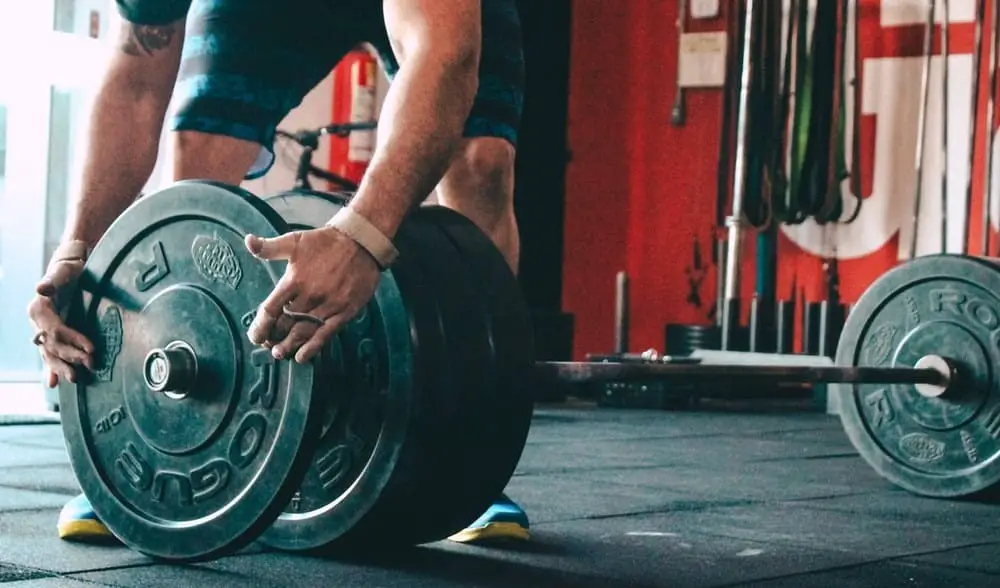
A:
[(580, 372)]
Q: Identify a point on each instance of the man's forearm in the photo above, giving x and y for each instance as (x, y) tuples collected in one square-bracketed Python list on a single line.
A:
[(124, 135), (425, 112)]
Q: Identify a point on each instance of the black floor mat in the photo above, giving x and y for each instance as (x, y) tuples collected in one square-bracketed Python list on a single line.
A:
[(9, 573)]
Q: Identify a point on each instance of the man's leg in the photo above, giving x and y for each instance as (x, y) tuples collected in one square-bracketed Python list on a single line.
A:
[(246, 63), (480, 185), (480, 181)]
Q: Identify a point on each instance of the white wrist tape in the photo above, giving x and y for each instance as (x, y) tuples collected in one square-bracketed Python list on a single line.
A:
[(365, 235), (71, 251)]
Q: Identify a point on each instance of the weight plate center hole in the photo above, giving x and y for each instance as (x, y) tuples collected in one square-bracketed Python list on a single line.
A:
[(969, 366), (172, 371), (948, 371), (181, 387)]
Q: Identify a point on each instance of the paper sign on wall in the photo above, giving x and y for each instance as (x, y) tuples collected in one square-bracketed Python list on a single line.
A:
[(702, 62), (704, 8)]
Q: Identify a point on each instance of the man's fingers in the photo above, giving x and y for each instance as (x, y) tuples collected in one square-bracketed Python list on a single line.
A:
[(58, 338), (260, 329), (43, 313), (319, 338), (58, 368), (65, 351), (333, 317), (282, 327), (299, 334), (77, 340), (277, 248), (286, 290), (269, 311), (60, 274)]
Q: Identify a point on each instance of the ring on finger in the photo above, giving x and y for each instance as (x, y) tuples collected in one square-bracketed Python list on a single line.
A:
[(299, 334), (303, 316), (280, 328)]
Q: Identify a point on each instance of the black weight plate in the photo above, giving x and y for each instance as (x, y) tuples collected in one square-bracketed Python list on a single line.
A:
[(373, 447), (508, 410), (306, 209), (936, 305), (203, 474), (407, 513), (455, 490)]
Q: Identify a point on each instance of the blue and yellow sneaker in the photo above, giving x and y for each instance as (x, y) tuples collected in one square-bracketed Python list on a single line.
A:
[(504, 520), (79, 522)]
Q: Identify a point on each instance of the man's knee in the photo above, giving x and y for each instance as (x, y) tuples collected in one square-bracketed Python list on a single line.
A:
[(206, 156), (487, 164), (480, 185)]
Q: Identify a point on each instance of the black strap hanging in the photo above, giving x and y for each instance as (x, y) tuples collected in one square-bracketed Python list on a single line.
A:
[(783, 206), (822, 62)]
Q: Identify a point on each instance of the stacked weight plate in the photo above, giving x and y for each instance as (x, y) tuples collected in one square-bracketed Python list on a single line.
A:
[(468, 406), (191, 442)]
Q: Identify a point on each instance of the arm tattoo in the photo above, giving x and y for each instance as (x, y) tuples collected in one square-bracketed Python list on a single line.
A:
[(146, 40)]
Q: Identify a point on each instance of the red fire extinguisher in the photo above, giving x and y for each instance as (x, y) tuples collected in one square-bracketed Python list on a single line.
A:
[(354, 98)]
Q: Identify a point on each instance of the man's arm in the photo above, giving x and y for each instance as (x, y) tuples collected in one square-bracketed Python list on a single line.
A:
[(125, 124), (438, 44)]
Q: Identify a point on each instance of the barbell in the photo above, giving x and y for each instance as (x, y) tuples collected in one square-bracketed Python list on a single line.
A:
[(191, 442)]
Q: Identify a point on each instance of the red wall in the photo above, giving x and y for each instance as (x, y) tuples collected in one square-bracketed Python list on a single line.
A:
[(640, 192)]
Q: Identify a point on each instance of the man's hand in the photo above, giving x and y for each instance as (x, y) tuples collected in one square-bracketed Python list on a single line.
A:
[(61, 347), (329, 278)]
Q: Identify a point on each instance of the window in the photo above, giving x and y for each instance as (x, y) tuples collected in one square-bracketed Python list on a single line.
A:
[(67, 128), (87, 18), (49, 64), (3, 146), (3, 178)]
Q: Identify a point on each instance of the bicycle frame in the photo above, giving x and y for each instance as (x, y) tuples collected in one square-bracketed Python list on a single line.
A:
[(309, 140)]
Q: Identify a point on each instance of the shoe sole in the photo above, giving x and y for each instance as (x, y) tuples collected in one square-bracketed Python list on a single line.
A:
[(492, 531), (83, 530)]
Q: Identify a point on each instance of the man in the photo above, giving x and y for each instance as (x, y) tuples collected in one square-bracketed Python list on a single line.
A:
[(448, 124)]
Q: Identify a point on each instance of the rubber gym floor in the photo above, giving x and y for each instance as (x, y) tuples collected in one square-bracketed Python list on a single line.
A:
[(735, 495)]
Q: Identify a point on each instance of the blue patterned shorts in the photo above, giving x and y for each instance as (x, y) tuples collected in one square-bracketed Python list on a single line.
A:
[(247, 63)]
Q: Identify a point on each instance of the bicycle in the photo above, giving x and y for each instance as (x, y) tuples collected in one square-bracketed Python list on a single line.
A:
[(309, 140)]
